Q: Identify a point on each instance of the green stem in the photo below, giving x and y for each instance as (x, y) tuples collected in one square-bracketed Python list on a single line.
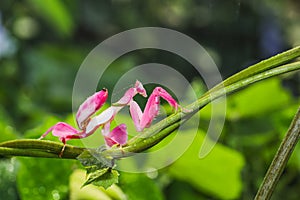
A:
[(38, 148), (7, 151), (280, 160), (264, 65)]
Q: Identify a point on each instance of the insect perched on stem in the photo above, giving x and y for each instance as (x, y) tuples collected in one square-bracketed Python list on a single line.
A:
[(118, 136)]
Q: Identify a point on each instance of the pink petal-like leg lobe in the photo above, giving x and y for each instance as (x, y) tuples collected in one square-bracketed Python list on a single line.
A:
[(140, 88), (144, 119), (128, 96), (158, 91), (136, 115), (47, 132), (117, 136), (61, 130), (90, 106), (130, 93)]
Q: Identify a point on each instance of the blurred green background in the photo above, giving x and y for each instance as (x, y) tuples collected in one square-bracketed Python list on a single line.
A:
[(43, 43)]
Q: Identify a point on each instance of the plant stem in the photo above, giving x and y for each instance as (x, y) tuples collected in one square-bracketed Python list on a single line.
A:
[(38, 148), (280, 160), (7, 151), (263, 65)]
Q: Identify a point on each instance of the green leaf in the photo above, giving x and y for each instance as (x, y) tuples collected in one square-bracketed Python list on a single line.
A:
[(107, 179), (218, 174), (99, 168), (93, 176)]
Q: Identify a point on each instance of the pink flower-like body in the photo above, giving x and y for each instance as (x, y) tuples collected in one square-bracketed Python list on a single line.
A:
[(118, 135)]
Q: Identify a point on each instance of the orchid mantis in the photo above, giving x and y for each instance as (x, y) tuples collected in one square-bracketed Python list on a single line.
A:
[(118, 136)]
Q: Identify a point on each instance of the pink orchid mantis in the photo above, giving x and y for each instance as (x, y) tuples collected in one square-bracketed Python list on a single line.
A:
[(141, 119), (88, 125), (118, 136)]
